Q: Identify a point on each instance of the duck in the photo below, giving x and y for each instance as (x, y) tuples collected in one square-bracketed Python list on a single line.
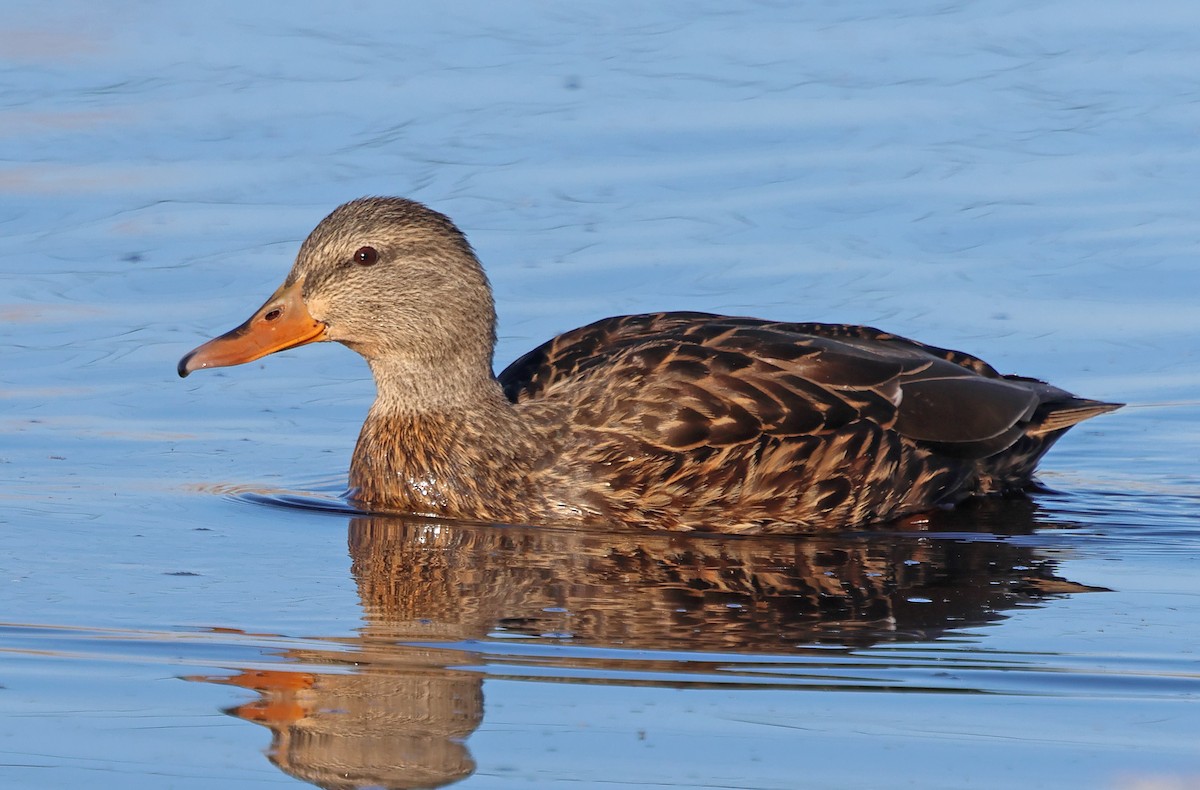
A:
[(682, 421)]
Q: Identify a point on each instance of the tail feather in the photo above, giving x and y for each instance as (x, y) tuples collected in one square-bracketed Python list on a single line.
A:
[(1059, 417)]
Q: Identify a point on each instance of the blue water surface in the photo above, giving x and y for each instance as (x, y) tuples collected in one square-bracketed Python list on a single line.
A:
[(1017, 179)]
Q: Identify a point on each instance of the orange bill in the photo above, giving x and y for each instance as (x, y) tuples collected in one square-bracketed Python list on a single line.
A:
[(282, 322)]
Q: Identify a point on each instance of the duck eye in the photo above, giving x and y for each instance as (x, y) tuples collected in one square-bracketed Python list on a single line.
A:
[(366, 256)]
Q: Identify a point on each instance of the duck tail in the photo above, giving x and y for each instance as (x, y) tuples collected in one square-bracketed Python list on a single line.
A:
[(1059, 416)]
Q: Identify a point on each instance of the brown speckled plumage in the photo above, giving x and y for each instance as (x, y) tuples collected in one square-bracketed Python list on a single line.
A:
[(666, 420)]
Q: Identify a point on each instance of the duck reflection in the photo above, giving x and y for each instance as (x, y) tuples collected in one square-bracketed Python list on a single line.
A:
[(394, 718), (386, 709)]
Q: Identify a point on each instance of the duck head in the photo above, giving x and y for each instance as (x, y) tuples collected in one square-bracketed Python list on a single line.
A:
[(390, 278)]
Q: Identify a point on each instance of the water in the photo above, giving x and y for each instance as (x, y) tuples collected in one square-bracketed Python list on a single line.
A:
[(1014, 179)]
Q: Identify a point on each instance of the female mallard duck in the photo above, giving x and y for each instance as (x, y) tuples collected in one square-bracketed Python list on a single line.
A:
[(665, 420)]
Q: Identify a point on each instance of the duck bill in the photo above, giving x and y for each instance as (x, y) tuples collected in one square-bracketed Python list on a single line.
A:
[(282, 322)]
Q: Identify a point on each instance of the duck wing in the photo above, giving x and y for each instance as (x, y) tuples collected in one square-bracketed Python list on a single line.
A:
[(687, 380)]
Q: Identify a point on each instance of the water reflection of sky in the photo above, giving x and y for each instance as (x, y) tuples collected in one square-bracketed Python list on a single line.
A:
[(1016, 179)]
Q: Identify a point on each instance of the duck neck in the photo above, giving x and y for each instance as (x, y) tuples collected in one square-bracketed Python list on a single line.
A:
[(453, 447), (410, 387)]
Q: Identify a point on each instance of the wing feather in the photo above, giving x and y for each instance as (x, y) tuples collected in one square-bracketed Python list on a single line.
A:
[(683, 381)]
